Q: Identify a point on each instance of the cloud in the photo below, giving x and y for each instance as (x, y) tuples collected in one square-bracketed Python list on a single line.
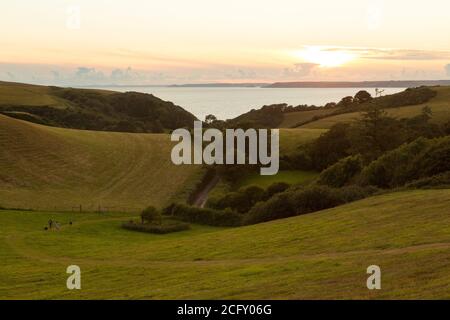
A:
[(447, 69), (89, 74), (392, 54), (300, 69), (407, 55), (127, 74)]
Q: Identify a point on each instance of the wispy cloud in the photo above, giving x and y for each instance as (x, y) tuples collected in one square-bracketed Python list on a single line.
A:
[(393, 54)]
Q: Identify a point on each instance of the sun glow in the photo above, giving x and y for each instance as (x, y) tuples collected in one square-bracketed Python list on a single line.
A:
[(325, 57)]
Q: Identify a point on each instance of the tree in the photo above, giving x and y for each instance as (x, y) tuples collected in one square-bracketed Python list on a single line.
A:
[(362, 96), (330, 105), (210, 118), (346, 102), (151, 215), (330, 147), (376, 133)]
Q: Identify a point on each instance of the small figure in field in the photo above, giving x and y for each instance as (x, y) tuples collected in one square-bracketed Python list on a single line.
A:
[(50, 224), (57, 225)]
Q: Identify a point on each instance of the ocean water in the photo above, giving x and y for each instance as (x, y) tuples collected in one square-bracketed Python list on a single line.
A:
[(226, 103)]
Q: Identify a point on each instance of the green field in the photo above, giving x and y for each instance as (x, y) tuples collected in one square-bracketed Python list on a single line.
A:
[(51, 168), (294, 119), (440, 106), (32, 95), (291, 139), (321, 255), (291, 177)]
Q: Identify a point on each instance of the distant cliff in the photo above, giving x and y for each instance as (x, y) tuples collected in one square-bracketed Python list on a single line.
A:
[(362, 84)]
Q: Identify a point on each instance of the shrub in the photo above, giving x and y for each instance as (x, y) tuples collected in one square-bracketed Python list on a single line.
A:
[(210, 217), (278, 207), (304, 200), (362, 96), (419, 159), (342, 172), (434, 160), (391, 170), (439, 180), (276, 188), (157, 229), (151, 215), (240, 201), (354, 193)]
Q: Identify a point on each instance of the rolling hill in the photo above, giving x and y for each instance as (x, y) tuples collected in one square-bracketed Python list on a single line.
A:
[(321, 255), (439, 105), (91, 109), (53, 168), (316, 256), (60, 169)]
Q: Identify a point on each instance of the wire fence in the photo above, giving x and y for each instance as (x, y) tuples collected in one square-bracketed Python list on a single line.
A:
[(81, 209)]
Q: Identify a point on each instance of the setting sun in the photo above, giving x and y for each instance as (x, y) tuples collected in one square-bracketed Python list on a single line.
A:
[(325, 57)]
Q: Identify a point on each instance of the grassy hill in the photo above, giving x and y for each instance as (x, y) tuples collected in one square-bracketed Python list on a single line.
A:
[(27, 95), (440, 106), (46, 167), (291, 139), (321, 255), (55, 168), (91, 109)]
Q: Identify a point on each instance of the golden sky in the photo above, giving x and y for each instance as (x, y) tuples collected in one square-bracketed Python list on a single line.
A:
[(179, 41)]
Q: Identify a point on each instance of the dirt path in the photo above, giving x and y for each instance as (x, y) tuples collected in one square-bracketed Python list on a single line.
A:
[(202, 196)]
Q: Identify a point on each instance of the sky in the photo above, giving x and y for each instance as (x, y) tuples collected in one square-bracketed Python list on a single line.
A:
[(129, 42)]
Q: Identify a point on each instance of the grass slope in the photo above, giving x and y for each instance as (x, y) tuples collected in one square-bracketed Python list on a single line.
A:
[(293, 119), (46, 168), (440, 106), (321, 255), (291, 139), (21, 94), (91, 109), (293, 177)]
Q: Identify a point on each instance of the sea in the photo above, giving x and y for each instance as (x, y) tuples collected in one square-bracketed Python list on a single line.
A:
[(227, 103)]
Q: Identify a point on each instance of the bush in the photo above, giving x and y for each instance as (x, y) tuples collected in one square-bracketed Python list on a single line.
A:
[(276, 188), (278, 207), (302, 201), (362, 96), (420, 159), (244, 199), (151, 215), (342, 172), (354, 193), (434, 160), (210, 217), (439, 180), (156, 229), (391, 170)]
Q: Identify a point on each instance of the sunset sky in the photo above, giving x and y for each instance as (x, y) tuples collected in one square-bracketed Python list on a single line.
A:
[(177, 41)]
